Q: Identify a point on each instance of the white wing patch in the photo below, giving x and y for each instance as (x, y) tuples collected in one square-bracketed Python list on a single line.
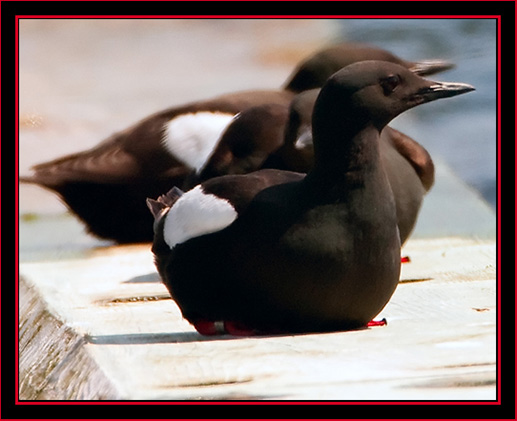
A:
[(196, 213), (192, 137)]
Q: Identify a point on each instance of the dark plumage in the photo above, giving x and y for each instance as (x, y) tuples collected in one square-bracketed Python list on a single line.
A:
[(106, 186), (246, 144), (409, 166), (284, 252)]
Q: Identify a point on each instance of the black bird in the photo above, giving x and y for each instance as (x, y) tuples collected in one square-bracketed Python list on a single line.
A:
[(242, 149), (106, 186), (278, 251), (314, 71)]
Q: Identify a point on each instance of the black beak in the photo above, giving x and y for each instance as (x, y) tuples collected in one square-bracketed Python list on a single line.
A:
[(437, 90), (430, 67)]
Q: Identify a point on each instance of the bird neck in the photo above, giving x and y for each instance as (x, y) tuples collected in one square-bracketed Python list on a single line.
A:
[(346, 145)]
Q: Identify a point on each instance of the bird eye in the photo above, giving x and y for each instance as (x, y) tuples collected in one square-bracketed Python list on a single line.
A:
[(390, 83)]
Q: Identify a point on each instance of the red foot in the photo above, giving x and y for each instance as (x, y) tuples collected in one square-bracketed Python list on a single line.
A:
[(210, 328), (382, 322), (237, 329), (405, 259)]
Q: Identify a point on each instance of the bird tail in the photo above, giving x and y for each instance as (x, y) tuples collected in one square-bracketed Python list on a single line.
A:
[(166, 200)]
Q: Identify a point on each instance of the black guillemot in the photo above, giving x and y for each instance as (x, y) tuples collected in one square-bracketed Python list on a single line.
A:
[(282, 252)]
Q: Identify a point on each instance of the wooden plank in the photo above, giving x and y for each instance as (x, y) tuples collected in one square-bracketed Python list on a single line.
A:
[(440, 342)]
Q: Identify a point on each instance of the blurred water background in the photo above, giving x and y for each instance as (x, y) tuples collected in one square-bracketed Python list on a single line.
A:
[(463, 132), (80, 80)]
